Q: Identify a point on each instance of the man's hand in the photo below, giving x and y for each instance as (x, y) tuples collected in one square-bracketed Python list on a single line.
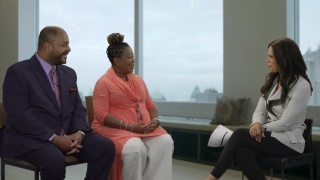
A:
[(70, 144), (77, 140)]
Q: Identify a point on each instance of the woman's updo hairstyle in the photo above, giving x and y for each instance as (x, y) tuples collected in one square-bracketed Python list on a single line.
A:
[(116, 45)]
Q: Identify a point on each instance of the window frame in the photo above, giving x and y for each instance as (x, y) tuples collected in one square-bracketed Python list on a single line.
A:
[(293, 20)]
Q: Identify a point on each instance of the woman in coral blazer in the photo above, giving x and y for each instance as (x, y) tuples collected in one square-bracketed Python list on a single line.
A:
[(125, 113)]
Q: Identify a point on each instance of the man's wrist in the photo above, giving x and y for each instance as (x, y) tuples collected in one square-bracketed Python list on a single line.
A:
[(52, 137), (83, 134)]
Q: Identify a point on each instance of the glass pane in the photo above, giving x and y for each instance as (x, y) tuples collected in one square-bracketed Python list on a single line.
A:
[(88, 23), (310, 44), (183, 49)]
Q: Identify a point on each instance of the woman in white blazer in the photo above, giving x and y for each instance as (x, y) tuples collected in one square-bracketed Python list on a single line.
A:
[(278, 120)]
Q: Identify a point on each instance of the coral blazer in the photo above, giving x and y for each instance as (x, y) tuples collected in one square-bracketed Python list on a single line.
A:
[(111, 96)]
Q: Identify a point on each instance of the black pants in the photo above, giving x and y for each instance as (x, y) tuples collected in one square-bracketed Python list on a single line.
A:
[(243, 150), (97, 151)]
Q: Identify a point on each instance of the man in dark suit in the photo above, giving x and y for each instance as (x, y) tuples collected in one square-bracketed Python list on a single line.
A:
[(45, 116)]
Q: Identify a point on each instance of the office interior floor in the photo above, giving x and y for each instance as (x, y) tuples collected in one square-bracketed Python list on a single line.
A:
[(182, 170)]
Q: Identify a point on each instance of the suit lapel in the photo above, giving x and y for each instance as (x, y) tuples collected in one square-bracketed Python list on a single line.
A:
[(62, 86), (275, 95), (273, 100), (43, 80)]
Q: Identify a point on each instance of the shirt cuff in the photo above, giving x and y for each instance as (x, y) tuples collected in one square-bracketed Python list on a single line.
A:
[(50, 139), (83, 134)]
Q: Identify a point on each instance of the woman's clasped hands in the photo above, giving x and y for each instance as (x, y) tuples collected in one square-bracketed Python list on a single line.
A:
[(142, 128), (256, 131)]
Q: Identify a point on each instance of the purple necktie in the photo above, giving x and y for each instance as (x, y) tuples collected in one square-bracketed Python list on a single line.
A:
[(54, 80), (53, 77)]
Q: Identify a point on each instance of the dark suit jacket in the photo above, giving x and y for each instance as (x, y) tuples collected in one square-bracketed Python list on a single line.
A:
[(33, 113)]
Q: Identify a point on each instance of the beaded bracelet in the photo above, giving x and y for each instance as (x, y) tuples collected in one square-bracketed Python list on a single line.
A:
[(131, 127), (125, 126), (120, 124)]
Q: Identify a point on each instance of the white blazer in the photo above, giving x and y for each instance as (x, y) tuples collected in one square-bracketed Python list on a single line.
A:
[(288, 124)]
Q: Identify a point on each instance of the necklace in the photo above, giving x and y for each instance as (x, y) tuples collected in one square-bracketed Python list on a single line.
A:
[(139, 113), (122, 76)]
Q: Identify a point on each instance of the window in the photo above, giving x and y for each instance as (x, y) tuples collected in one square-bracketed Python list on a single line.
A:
[(309, 41), (182, 46), (183, 50), (88, 23)]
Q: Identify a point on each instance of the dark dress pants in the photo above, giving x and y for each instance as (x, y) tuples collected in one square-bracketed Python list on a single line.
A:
[(97, 151), (244, 150)]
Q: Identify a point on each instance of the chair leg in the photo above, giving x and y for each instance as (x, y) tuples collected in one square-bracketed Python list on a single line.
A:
[(242, 176), (311, 171), (271, 173), (2, 170), (282, 173), (36, 175)]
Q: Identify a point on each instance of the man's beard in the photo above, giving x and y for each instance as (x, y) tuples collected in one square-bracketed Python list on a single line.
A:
[(57, 59)]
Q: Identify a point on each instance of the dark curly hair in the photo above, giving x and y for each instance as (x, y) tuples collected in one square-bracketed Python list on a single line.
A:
[(291, 64), (116, 45)]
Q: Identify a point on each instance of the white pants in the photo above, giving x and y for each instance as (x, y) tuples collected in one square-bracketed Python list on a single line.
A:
[(148, 158)]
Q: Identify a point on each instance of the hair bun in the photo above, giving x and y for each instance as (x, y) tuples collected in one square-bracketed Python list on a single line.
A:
[(115, 38)]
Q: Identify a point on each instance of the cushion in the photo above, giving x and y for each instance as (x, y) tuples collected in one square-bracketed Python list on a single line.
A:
[(244, 111), (229, 111)]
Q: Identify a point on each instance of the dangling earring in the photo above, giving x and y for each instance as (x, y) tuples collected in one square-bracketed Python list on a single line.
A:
[(118, 71)]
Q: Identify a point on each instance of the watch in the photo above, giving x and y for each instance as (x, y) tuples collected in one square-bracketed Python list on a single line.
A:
[(157, 120)]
